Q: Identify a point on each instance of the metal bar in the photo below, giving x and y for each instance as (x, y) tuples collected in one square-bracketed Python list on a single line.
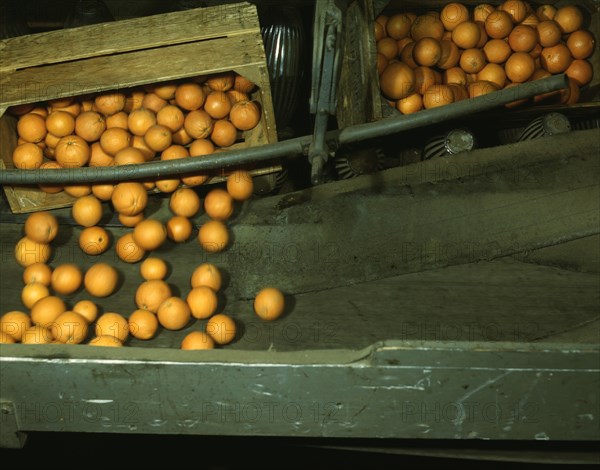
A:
[(287, 148)]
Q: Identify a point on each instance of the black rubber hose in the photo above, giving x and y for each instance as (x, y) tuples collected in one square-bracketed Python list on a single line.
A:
[(286, 148)]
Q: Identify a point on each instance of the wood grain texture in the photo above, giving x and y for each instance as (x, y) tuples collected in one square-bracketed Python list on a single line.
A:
[(127, 35), (130, 69), (358, 90)]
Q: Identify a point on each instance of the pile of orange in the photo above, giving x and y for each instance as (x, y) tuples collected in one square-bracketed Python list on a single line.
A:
[(178, 119), (49, 320), (440, 57), (185, 119)]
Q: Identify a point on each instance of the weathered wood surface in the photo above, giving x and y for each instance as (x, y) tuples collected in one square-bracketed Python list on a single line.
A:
[(503, 300), (127, 35), (358, 94)]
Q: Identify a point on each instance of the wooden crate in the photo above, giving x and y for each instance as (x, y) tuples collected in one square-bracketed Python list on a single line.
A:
[(124, 54), (359, 95)]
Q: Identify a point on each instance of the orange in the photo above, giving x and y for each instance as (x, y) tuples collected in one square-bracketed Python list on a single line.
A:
[(517, 9), (454, 14), (174, 152), (87, 211), (131, 220), (128, 250), (482, 11), (140, 120), (150, 294), (129, 156), (245, 115), (101, 280), (388, 47), (14, 324), (112, 324), (87, 309), (69, 328), (103, 191), (98, 157), (79, 190), (72, 152), (569, 18), (60, 123), (202, 302), (450, 55), (184, 202), (221, 81), (410, 104), (117, 120), (110, 103), (149, 234), (129, 198), (437, 95), (224, 133), (171, 117), (549, 33), (498, 24), (221, 328), (37, 272), (46, 310), (114, 139), (581, 44), (28, 252), (242, 84), (94, 240), (179, 229), (189, 96), (158, 137), (32, 127), (546, 12), (218, 204), (497, 51), (33, 292), (240, 185), (197, 340), (269, 303), (466, 35), (479, 88), (217, 104), (493, 73), (66, 278), (213, 236), (397, 26), (556, 59), (427, 26), (41, 227), (153, 102), (153, 269), (523, 38), (207, 274), (143, 324), (427, 52), (173, 313), (580, 71), (472, 60), (397, 80), (8, 339)]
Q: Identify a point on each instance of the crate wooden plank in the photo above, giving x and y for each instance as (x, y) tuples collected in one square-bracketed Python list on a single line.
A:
[(129, 69), (127, 35), (358, 89)]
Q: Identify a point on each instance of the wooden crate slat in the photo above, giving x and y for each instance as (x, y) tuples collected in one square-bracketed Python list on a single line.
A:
[(127, 35), (358, 87), (126, 70)]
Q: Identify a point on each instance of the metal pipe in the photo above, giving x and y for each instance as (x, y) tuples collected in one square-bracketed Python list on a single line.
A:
[(286, 148)]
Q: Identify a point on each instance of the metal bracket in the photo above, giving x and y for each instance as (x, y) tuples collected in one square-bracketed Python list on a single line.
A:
[(10, 436), (326, 65)]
